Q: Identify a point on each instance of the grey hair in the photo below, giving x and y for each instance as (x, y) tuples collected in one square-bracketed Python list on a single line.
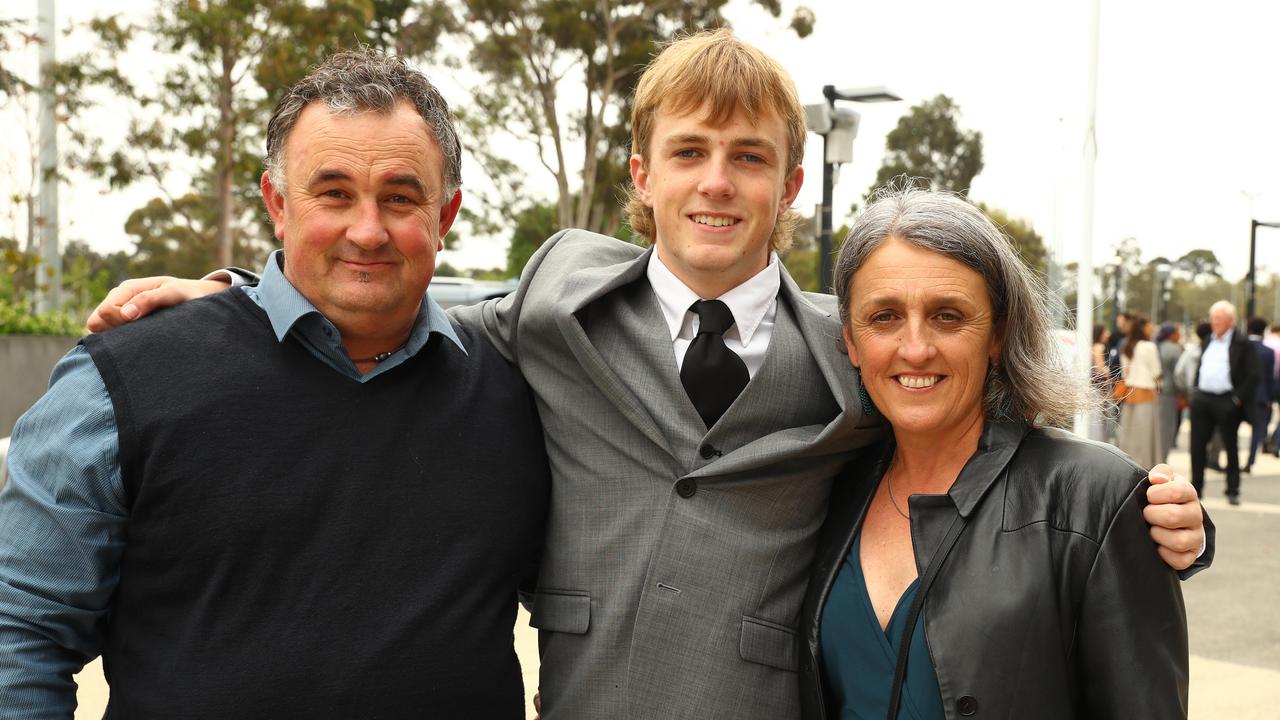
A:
[(365, 80), (1028, 382)]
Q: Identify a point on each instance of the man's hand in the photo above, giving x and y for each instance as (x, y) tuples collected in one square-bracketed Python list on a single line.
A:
[(133, 299), (1175, 516)]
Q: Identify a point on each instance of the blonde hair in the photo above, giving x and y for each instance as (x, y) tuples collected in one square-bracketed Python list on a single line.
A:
[(716, 70)]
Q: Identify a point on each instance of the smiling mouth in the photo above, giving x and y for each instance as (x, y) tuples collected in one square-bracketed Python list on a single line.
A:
[(714, 220), (917, 382)]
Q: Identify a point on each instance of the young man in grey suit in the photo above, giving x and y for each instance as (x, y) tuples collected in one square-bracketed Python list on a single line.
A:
[(688, 489)]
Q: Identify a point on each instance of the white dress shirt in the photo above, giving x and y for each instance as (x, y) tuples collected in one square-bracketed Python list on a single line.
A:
[(754, 305), (1215, 364)]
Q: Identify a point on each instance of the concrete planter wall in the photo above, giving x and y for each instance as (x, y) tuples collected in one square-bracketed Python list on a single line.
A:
[(25, 364)]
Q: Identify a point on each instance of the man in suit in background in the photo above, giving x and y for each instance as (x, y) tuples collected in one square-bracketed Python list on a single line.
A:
[(1260, 406), (1227, 377)]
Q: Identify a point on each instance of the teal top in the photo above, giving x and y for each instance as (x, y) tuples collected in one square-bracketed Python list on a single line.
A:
[(858, 658)]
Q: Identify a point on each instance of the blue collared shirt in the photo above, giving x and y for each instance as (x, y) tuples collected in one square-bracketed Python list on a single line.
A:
[(63, 515)]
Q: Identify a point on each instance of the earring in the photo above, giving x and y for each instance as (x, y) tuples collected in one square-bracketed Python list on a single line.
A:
[(868, 408)]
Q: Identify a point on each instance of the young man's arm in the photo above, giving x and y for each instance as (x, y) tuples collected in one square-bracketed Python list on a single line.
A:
[(62, 533)]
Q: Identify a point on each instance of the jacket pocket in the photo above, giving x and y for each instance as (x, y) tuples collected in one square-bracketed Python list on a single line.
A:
[(769, 644), (567, 611)]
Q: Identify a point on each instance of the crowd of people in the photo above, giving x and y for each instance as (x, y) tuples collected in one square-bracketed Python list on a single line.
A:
[(1217, 377)]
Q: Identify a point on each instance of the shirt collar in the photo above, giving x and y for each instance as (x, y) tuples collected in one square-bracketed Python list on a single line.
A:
[(287, 308), (1226, 336), (749, 302)]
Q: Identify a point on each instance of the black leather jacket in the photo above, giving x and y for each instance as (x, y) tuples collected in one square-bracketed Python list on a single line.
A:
[(1052, 603)]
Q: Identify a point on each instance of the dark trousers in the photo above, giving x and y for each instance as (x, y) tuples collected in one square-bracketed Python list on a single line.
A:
[(1210, 413), (1260, 417)]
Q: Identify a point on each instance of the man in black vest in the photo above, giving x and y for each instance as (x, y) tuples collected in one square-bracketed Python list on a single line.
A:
[(322, 502)]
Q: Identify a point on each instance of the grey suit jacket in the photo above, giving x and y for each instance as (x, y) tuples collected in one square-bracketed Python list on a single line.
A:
[(676, 557)]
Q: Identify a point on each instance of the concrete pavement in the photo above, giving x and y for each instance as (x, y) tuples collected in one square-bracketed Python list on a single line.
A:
[(1233, 609)]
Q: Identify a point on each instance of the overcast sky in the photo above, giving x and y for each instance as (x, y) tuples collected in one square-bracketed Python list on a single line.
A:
[(1187, 114)]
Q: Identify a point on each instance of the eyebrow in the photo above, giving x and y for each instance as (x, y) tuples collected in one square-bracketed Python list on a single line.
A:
[(407, 180), (896, 298), (746, 142)]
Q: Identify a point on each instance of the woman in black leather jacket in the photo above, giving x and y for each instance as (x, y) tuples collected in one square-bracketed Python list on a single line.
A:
[(998, 567)]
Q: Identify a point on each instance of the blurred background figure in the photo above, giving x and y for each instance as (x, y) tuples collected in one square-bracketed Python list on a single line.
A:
[(1272, 340), (1139, 435), (1184, 375), (1225, 383), (1259, 412), (1100, 377), (1169, 343)]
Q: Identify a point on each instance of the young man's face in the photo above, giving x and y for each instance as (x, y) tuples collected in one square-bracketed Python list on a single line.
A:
[(716, 193)]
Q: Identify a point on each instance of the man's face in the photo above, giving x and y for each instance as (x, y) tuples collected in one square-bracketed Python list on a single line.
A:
[(716, 193), (1221, 321), (363, 212)]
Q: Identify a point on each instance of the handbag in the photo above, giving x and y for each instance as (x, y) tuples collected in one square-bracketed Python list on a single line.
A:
[(1120, 390)]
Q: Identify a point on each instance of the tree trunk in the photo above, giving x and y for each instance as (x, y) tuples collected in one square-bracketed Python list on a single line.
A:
[(225, 170)]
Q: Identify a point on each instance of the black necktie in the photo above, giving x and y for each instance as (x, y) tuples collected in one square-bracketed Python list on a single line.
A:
[(712, 374)]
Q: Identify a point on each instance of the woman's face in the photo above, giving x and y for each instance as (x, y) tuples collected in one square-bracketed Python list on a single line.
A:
[(921, 331)]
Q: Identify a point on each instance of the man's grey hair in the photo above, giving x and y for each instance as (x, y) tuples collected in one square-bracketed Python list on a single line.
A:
[(365, 80), (1223, 306), (1028, 382)]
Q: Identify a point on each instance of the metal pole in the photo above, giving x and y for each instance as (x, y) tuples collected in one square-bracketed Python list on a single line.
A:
[(49, 275), (826, 281), (1084, 283), (1253, 249)]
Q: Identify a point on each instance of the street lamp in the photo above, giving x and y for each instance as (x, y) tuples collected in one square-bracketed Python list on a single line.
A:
[(838, 128), (1159, 277), (1253, 247)]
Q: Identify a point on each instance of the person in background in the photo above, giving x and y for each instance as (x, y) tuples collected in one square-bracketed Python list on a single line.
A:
[(1272, 340), (1169, 343), (1259, 412), (1139, 435), (1100, 379), (1114, 343), (1225, 382)]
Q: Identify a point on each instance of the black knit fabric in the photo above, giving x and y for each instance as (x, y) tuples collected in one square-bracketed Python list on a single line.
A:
[(301, 545)]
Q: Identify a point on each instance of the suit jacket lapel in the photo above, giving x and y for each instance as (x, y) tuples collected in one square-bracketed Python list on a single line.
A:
[(580, 290), (805, 336)]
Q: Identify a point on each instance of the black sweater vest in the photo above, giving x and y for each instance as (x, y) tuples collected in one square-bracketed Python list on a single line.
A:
[(301, 545)]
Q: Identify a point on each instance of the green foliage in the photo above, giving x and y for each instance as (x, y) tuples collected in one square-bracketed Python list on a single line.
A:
[(1028, 242), (17, 319), (534, 225), (804, 268), (929, 147)]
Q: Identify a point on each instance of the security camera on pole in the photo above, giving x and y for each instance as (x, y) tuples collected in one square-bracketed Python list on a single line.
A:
[(838, 127)]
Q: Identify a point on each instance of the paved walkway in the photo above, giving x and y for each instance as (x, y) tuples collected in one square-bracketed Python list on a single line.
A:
[(1233, 609)]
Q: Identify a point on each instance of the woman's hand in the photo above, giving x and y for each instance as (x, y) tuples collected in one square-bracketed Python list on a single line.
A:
[(133, 299), (1175, 517)]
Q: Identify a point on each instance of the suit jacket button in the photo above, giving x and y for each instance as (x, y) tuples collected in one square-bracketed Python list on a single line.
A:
[(967, 706), (686, 487), (707, 452)]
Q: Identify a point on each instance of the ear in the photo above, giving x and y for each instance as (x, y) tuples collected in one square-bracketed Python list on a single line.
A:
[(274, 200), (997, 344), (849, 346), (448, 213), (791, 188), (640, 179)]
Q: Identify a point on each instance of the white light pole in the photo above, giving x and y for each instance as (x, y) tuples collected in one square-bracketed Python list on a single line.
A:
[(1084, 283), (49, 274)]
